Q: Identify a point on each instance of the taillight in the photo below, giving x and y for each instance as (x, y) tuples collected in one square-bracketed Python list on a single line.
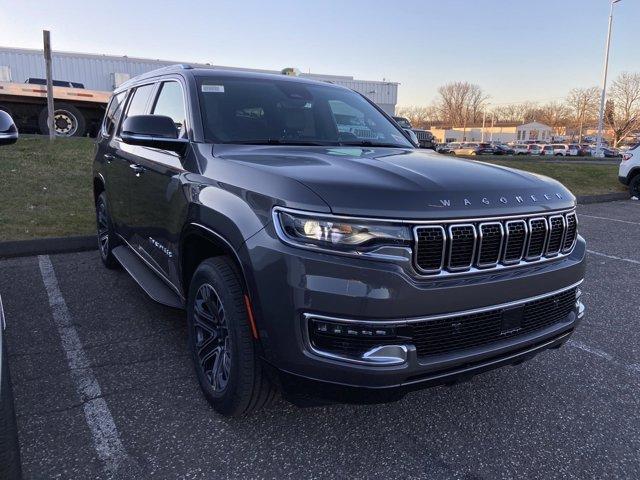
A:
[(627, 156)]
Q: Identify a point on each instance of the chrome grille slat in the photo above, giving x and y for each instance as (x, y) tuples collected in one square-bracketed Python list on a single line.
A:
[(571, 233), (490, 244), (482, 245), (556, 235), (515, 241), (538, 234), (462, 246)]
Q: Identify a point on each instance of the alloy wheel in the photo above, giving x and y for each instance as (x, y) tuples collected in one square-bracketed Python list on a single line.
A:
[(212, 339)]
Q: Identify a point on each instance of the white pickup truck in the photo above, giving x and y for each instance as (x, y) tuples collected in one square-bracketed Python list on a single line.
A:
[(78, 111)]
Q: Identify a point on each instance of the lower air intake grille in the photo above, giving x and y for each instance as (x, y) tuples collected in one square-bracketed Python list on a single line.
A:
[(468, 331)]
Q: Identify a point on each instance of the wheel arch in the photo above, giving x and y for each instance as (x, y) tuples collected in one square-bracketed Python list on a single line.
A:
[(198, 243)]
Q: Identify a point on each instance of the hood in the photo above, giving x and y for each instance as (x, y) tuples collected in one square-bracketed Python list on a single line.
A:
[(404, 183)]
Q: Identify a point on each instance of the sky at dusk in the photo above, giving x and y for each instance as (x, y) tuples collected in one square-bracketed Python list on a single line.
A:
[(515, 50)]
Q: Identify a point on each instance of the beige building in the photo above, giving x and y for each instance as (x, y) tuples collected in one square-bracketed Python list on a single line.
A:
[(534, 131)]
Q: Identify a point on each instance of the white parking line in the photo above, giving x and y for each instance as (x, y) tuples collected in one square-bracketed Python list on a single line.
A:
[(103, 429), (632, 368), (610, 219), (613, 257), (587, 348)]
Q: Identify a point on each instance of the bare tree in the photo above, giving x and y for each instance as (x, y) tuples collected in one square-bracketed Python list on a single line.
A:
[(623, 108), (583, 103), (420, 117), (460, 103), (554, 114), (515, 112)]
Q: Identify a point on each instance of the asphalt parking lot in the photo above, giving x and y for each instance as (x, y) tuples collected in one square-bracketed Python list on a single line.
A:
[(104, 388)]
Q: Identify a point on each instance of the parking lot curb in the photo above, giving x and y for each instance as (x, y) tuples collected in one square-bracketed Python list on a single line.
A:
[(41, 246), (605, 197)]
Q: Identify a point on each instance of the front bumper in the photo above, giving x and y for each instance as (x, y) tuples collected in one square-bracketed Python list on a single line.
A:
[(288, 285)]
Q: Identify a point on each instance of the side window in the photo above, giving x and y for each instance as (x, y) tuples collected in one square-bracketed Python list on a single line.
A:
[(113, 113), (170, 103), (138, 102)]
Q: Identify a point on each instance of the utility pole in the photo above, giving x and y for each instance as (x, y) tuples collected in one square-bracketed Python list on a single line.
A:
[(493, 118), (484, 118), (604, 82), (47, 61)]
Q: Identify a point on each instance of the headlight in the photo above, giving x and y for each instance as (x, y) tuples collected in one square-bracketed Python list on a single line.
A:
[(307, 229)]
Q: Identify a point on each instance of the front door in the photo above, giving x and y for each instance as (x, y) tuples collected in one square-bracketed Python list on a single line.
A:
[(158, 207)]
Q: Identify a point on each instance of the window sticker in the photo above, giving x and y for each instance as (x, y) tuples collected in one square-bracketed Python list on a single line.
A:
[(213, 88)]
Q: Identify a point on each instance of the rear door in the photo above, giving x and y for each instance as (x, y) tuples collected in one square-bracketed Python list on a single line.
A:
[(158, 204), (114, 171)]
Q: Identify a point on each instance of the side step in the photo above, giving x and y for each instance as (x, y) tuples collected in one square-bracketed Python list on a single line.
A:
[(153, 285)]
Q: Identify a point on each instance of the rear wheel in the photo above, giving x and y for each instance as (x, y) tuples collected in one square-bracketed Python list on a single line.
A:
[(107, 238), (68, 121), (230, 373)]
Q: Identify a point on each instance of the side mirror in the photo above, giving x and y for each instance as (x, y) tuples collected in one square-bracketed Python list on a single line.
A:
[(156, 131), (412, 136), (8, 130)]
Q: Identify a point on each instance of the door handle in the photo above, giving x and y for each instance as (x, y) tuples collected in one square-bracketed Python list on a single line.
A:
[(108, 157), (138, 169)]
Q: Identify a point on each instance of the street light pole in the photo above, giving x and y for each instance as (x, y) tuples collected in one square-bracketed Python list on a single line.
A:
[(604, 82)]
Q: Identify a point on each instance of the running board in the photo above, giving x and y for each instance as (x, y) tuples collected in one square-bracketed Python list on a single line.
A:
[(153, 285)]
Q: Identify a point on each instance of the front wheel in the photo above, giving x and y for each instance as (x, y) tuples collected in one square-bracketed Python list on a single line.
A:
[(107, 239), (230, 373)]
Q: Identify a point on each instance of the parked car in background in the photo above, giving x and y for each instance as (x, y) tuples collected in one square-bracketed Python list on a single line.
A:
[(584, 150), (448, 147), (501, 149), (564, 149), (424, 137), (9, 447), (520, 149), (474, 148), (546, 150), (629, 171), (534, 149)]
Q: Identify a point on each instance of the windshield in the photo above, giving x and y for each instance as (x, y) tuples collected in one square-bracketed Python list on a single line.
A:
[(265, 111)]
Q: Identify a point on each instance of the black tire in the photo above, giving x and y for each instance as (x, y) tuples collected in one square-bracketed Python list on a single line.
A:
[(230, 373), (634, 186), (69, 121), (9, 447), (107, 238)]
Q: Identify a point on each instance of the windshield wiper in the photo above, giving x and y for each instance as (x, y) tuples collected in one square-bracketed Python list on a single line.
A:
[(368, 143), (275, 141)]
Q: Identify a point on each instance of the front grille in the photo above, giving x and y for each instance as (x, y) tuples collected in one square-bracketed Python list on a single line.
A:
[(462, 243), (572, 232), (515, 242), (490, 243), (537, 237), (442, 335), (430, 258), (468, 331), (461, 247), (556, 232), (422, 135)]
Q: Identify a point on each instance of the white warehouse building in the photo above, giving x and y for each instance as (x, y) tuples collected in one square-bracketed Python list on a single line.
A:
[(106, 72)]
